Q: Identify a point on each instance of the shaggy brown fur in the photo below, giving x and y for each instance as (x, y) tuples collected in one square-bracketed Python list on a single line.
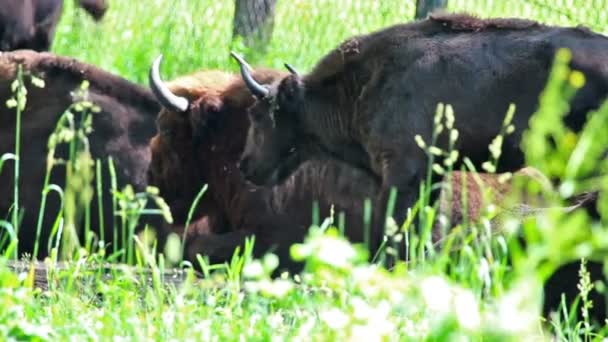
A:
[(468, 194), (365, 101), (121, 130), (203, 147), (514, 200)]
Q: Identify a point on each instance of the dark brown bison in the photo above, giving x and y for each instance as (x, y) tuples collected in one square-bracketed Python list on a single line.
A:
[(121, 130), (31, 24), (466, 195), (365, 101), (201, 136)]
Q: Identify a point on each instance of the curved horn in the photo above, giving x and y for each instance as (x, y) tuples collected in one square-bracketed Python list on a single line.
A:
[(166, 98), (256, 89), (292, 70)]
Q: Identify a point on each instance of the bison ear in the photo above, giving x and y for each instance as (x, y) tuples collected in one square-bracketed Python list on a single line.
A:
[(291, 93)]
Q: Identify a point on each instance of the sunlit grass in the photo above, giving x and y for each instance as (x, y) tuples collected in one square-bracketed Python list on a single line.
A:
[(482, 287), (197, 34)]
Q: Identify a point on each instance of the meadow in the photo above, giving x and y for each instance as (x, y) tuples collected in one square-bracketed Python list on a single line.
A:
[(483, 287)]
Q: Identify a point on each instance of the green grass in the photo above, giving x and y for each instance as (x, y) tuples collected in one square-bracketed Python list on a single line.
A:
[(196, 35), (467, 293)]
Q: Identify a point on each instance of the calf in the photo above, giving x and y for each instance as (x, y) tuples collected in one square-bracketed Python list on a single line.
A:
[(466, 195)]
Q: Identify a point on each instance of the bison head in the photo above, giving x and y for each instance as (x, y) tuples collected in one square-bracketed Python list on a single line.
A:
[(190, 134), (273, 149)]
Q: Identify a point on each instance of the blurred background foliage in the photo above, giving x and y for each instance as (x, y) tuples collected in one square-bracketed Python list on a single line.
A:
[(198, 34)]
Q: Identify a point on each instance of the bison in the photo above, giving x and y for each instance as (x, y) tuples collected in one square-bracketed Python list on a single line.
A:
[(31, 24), (365, 101), (121, 130), (202, 130), (465, 195)]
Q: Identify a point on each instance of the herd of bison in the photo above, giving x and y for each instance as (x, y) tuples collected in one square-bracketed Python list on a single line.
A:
[(272, 144)]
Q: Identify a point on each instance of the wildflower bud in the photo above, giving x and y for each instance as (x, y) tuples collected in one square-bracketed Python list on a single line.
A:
[(453, 135), (448, 162), (505, 177), (510, 114), (37, 82), (435, 150), (488, 167), (439, 113), (496, 147), (391, 227), (438, 169), (563, 55), (14, 85), (577, 79), (454, 156), (449, 116), (11, 103), (152, 190), (438, 129), (420, 142), (398, 238)]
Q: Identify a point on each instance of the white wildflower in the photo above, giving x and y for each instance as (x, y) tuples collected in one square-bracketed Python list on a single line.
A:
[(335, 252), (334, 318), (360, 308), (278, 288), (253, 269), (518, 311), (275, 320), (436, 294), (467, 310)]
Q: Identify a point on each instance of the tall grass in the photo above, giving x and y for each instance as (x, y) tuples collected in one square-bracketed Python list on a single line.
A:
[(480, 286)]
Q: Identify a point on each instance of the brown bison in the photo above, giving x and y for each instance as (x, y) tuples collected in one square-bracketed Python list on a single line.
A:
[(365, 101), (121, 130), (466, 195), (31, 24), (202, 130)]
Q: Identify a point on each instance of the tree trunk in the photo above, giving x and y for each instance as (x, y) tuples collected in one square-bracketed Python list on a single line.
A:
[(424, 7), (254, 22)]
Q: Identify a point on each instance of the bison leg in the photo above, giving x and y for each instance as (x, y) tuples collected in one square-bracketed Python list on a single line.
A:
[(218, 247), (405, 177)]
